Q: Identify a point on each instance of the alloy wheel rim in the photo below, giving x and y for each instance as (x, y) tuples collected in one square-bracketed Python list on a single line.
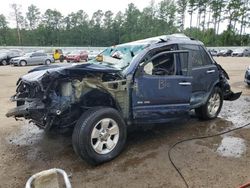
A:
[(214, 104), (105, 136), (23, 63)]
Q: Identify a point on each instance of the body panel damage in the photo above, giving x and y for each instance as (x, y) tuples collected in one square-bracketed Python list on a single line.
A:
[(57, 95), (60, 95)]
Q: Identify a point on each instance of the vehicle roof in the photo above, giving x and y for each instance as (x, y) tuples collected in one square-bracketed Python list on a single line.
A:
[(171, 39)]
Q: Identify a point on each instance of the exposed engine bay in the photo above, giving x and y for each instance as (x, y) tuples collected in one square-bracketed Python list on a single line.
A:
[(59, 97)]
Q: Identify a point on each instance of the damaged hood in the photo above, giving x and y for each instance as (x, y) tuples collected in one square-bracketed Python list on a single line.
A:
[(67, 70)]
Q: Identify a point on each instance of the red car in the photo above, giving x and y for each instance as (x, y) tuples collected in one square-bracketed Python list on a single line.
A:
[(77, 56)]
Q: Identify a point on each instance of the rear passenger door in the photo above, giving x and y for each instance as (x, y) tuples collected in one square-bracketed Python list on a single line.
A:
[(35, 58), (204, 71)]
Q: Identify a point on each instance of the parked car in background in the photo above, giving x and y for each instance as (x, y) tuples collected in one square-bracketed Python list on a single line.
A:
[(240, 52), (92, 54), (34, 58), (58, 55), (7, 55), (213, 52), (225, 53), (77, 56), (247, 76)]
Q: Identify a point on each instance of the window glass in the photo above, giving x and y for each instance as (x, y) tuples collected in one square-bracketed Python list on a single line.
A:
[(194, 54), (161, 65), (42, 54), (183, 59), (206, 59)]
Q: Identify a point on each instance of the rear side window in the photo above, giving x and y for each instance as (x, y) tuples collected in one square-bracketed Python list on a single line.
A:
[(197, 55), (35, 54), (41, 54), (206, 59)]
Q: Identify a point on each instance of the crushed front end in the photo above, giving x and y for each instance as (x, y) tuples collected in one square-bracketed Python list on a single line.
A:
[(39, 98), (57, 98)]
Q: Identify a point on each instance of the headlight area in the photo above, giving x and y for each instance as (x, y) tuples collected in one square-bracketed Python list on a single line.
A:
[(45, 105)]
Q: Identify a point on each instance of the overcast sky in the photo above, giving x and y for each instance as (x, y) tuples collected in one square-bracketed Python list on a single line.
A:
[(68, 6)]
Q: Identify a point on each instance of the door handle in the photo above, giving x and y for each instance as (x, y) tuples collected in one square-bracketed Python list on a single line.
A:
[(210, 71), (185, 83)]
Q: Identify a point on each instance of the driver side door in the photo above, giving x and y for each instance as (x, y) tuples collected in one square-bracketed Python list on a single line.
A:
[(162, 88)]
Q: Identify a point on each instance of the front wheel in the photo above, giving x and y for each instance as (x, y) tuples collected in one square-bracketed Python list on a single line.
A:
[(212, 108), (99, 135), (4, 62)]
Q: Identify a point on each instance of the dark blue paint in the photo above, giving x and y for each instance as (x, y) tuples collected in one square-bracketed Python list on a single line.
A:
[(160, 97)]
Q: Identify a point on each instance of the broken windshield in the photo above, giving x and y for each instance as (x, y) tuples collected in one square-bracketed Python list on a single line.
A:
[(120, 56)]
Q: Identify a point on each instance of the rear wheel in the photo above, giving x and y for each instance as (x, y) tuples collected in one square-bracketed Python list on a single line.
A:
[(212, 107), (47, 62), (99, 135), (61, 59), (4, 62), (23, 63)]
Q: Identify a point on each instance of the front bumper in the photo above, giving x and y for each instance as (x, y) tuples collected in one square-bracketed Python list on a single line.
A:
[(25, 109), (14, 62)]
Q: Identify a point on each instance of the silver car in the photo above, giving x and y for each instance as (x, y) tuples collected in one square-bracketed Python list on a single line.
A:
[(34, 58)]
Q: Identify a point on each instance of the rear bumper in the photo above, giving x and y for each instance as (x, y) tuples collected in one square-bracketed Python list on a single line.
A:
[(231, 96), (72, 59)]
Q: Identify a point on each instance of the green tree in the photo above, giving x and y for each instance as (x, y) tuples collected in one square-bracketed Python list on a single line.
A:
[(191, 9), (33, 16), (17, 16), (181, 9), (52, 23), (148, 21), (244, 15), (217, 7), (3, 30), (232, 9), (96, 30), (117, 27), (131, 24), (167, 14)]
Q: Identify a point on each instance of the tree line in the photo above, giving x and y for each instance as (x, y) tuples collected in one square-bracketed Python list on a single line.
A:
[(51, 28)]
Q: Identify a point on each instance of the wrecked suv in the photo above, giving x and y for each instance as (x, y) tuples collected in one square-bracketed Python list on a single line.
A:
[(154, 80)]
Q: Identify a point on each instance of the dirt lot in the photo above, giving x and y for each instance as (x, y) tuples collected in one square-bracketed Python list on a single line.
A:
[(216, 162)]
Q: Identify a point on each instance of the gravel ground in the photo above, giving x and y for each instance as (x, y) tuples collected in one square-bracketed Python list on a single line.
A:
[(221, 161)]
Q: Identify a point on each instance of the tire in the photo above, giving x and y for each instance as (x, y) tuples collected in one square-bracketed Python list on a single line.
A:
[(61, 59), (23, 63), (88, 133), (4, 62), (47, 62), (212, 107)]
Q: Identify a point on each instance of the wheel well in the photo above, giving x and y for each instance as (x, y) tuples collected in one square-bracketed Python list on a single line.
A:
[(47, 60), (3, 60), (22, 60), (97, 97)]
